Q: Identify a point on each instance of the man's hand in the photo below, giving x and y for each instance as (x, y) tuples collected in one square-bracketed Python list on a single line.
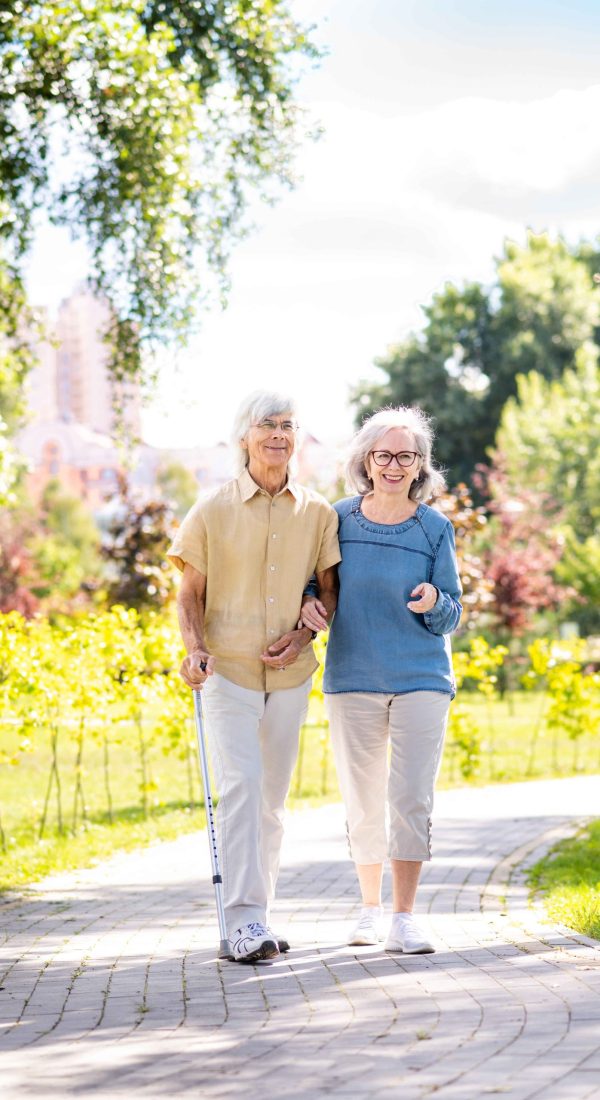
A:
[(196, 667), (286, 649), (314, 614), (427, 594)]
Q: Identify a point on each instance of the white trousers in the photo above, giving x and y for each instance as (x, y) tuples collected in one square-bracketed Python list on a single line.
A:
[(253, 740), (388, 749)]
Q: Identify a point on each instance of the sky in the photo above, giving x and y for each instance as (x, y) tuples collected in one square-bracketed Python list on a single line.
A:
[(449, 125)]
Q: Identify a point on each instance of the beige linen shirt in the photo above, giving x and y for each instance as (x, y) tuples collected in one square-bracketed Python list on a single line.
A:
[(257, 553)]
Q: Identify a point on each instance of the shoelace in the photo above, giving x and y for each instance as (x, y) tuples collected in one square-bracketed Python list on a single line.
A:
[(366, 920), (257, 929)]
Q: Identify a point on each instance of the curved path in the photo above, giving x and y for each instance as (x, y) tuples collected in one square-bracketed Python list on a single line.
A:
[(110, 985)]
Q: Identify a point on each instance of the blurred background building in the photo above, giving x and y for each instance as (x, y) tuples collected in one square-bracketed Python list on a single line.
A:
[(70, 434)]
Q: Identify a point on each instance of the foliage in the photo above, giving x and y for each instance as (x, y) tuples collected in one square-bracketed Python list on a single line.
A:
[(570, 692), (549, 308), (17, 327), (521, 551), (178, 487), (9, 468), (548, 437), (88, 696), (18, 572), (479, 665), (579, 568), (50, 553), (441, 371), (541, 308), (569, 880), (145, 125), (469, 524), (138, 537), (98, 740), (65, 547)]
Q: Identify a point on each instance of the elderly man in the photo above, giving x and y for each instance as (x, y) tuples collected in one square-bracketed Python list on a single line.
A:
[(246, 551)]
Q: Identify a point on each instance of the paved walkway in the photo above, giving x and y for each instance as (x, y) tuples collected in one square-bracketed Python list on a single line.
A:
[(110, 985)]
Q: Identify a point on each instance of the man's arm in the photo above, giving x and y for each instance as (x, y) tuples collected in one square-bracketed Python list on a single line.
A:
[(317, 612), (286, 650), (190, 612), (329, 587)]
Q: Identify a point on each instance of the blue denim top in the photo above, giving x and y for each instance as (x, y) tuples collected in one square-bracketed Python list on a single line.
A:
[(375, 642)]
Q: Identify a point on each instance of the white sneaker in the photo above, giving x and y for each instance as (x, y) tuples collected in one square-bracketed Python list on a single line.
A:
[(252, 943), (406, 936), (282, 942), (367, 929)]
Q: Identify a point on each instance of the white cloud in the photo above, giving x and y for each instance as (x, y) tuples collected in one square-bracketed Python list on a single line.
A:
[(511, 150), (396, 199)]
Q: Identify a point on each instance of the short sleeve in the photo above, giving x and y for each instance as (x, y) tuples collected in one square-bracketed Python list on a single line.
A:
[(190, 543), (329, 550)]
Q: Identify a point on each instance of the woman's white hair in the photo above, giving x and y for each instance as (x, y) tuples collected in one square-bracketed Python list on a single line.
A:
[(428, 485), (258, 405)]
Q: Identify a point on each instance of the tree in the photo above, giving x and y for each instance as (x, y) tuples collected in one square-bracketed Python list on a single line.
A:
[(65, 547), (549, 437), (17, 323), (470, 523), (178, 486), (548, 434), (145, 125), (441, 371), (17, 569), (549, 307), (520, 553), (543, 305), (139, 574), (49, 553), (579, 567)]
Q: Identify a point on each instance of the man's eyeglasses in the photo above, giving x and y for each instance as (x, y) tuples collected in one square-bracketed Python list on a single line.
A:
[(403, 458), (268, 425)]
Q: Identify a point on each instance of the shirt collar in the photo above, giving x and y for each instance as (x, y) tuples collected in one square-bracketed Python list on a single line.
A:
[(248, 487)]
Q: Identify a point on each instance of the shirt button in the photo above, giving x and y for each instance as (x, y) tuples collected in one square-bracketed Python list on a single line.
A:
[(271, 631), (272, 568), (273, 536), (271, 599)]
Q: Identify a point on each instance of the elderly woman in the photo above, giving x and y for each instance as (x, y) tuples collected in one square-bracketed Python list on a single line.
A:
[(388, 673), (246, 551)]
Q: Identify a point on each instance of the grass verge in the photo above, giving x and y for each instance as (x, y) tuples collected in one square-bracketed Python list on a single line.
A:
[(568, 879), (95, 840), (151, 801)]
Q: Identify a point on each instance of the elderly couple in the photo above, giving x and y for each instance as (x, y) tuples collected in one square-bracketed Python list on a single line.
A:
[(266, 563)]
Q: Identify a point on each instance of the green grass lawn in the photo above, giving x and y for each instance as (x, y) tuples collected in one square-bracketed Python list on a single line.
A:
[(514, 745), (171, 786), (172, 793), (568, 880)]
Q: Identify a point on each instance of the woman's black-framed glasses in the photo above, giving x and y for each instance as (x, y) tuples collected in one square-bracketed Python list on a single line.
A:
[(403, 458)]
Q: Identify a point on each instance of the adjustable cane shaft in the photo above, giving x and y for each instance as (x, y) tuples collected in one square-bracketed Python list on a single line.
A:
[(224, 948)]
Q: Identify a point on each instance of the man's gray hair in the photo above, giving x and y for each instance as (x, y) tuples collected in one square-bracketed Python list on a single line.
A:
[(258, 405), (428, 485)]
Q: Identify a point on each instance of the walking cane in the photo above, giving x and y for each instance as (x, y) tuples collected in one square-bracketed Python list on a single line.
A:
[(224, 948)]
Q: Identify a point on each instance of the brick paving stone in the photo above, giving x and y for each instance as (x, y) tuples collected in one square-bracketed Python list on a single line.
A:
[(110, 986)]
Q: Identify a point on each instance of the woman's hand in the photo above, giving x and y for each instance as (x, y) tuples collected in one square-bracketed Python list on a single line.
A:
[(427, 594), (314, 614)]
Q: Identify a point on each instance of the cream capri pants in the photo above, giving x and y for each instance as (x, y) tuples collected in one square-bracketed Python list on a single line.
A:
[(253, 741), (388, 748)]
